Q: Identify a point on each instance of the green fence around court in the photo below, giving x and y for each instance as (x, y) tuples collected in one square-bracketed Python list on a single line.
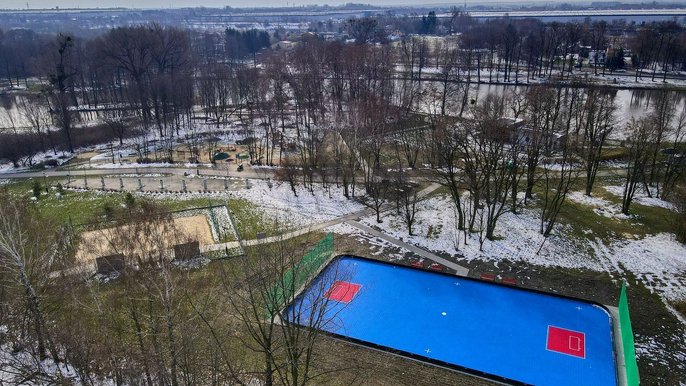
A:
[(299, 274), (628, 340)]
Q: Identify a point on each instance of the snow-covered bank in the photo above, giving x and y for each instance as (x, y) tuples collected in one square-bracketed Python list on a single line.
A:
[(306, 209), (659, 261), (641, 197)]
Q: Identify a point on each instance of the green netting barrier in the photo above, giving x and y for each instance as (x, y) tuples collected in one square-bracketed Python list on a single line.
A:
[(627, 340), (300, 273)]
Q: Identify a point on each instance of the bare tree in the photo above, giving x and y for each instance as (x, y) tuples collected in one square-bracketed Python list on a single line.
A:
[(597, 124), (640, 141), (556, 186), (61, 75), (542, 117), (662, 114), (270, 278), (37, 114), (675, 163), (28, 256), (488, 165)]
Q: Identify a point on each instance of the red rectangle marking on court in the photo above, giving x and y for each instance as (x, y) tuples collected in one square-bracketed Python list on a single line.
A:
[(342, 291), (566, 342)]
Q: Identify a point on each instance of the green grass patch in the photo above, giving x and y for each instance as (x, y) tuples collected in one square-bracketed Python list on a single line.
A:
[(249, 219), (587, 224), (614, 153), (66, 205), (83, 207)]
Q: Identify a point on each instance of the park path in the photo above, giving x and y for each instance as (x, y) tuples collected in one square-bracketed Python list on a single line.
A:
[(460, 270)]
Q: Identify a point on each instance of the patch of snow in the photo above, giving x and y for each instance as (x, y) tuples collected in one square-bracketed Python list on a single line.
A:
[(141, 166), (378, 246), (23, 368), (641, 197), (600, 206), (278, 203), (308, 208), (611, 164)]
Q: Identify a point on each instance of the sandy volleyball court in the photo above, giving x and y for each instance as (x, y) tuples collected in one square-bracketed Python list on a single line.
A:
[(109, 241)]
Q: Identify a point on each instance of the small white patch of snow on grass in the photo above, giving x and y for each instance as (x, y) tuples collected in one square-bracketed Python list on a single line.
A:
[(379, 246), (600, 206)]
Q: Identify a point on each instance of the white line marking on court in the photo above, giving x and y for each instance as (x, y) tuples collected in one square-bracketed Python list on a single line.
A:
[(576, 346)]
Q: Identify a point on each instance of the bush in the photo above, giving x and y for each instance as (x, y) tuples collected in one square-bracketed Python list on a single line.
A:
[(37, 189), (108, 210), (129, 200)]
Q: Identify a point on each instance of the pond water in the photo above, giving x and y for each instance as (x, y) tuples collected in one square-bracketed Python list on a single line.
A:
[(630, 104)]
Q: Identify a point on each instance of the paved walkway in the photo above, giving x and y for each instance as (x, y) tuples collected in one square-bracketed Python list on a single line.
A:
[(462, 271)]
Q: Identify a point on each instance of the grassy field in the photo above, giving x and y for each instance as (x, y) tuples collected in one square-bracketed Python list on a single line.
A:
[(86, 207), (644, 220)]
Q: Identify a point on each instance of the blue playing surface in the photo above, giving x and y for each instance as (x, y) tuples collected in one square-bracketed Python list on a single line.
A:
[(489, 328)]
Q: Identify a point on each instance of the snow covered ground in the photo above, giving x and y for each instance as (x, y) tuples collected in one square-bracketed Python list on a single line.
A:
[(15, 368), (277, 203), (641, 197), (141, 166), (600, 206), (61, 157), (305, 209), (659, 261)]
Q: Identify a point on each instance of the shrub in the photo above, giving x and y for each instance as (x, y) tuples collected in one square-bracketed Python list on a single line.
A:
[(129, 200), (37, 189)]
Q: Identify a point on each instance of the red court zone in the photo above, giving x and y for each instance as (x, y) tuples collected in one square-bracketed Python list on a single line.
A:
[(342, 291), (566, 342)]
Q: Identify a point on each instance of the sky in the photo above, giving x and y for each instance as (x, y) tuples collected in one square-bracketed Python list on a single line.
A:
[(21, 4)]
